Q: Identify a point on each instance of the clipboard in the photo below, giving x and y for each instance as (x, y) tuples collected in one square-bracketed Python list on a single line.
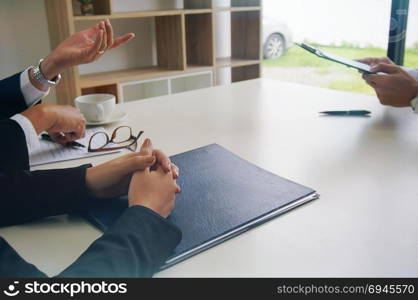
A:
[(337, 59)]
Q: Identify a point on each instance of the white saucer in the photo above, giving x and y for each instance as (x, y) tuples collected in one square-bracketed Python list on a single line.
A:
[(116, 116)]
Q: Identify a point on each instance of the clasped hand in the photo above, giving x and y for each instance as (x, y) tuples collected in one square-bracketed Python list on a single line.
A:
[(148, 177)]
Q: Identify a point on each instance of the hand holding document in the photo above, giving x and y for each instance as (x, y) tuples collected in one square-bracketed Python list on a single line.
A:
[(362, 67)]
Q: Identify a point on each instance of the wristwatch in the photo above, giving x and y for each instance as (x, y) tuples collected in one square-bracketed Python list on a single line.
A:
[(414, 104), (40, 77)]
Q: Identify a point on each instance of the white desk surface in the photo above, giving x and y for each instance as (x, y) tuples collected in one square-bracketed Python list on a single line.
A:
[(366, 170)]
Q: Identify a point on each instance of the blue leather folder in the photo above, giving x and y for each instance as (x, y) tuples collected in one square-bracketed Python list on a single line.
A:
[(222, 196)]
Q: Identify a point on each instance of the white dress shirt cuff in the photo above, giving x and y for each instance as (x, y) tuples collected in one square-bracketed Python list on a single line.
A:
[(31, 94), (32, 139), (413, 72)]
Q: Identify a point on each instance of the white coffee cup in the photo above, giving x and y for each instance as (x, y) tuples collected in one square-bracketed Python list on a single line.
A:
[(96, 107)]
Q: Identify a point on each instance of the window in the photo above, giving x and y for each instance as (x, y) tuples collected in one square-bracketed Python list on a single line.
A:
[(411, 51), (353, 29)]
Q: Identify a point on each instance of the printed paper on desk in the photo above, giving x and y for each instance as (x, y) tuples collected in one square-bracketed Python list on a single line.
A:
[(49, 152)]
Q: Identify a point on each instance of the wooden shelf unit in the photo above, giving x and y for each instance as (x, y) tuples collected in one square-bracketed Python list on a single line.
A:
[(183, 43)]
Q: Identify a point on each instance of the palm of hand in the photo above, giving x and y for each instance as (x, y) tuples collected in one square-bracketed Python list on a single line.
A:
[(77, 48)]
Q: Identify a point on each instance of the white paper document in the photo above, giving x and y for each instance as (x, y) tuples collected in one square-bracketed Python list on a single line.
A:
[(50, 152)]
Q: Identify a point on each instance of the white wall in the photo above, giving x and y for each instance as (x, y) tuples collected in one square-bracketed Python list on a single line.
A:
[(24, 37)]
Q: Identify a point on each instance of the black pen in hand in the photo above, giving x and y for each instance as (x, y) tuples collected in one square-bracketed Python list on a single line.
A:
[(48, 138)]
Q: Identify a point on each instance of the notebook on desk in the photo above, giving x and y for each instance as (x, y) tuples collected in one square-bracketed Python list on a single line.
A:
[(222, 196)]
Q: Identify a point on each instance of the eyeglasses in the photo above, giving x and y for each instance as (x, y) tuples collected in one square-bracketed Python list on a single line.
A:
[(121, 137)]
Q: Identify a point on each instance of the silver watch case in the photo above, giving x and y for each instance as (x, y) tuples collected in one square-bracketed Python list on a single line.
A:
[(39, 76)]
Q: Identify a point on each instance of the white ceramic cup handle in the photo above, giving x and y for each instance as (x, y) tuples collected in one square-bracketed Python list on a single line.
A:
[(100, 112)]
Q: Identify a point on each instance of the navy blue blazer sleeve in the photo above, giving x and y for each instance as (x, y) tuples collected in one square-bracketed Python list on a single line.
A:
[(11, 98), (137, 244), (13, 151), (27, 196)]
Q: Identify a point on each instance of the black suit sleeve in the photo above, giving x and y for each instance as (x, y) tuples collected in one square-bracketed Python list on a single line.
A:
[(26, 196), (135, 246), (11, 98), (13, 150)]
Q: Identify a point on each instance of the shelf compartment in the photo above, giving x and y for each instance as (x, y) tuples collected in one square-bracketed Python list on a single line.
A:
[(237, 9), (245, 73), (104, 89), (121, 76), (235, 62), (245, 3), (191, 82), (145, 89), (101, 7), (197, 4), (169, 37), (245, 35), (120, 6), (199, 36)]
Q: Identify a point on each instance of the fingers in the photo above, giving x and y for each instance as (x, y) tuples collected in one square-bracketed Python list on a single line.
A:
[(64, 138), (366, 60), (109, 41), (159, 171), (59, 138), (93, 31), (139, 163), (369, 79), (103, 47), (163, 160), (175, 170), (385, 68), (146, 148), (74, 135), (375, 60), (177, 187), (94, 51), (122, 40), (109, 32)]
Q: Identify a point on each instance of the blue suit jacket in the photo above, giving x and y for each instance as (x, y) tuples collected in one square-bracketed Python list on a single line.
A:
[(12, 101), (13, 153), (136, 245)]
